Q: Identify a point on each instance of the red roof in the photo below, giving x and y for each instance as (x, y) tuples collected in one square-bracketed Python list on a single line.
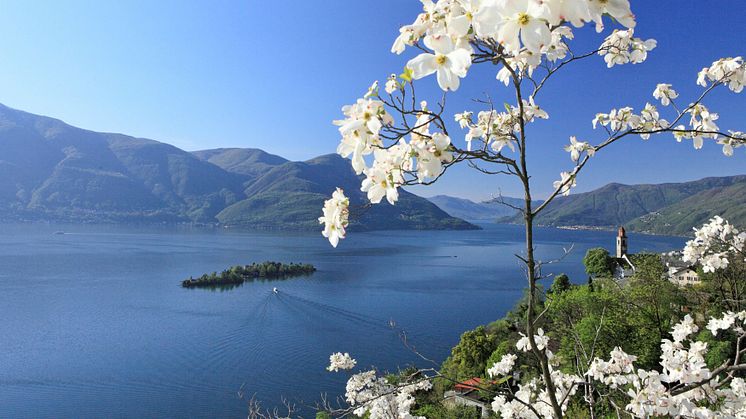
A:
[(471, 384)]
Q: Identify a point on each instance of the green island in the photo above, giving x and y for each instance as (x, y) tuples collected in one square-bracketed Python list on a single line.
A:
[(237, 275)]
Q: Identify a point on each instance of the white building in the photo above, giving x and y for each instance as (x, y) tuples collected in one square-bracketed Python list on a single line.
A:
[(680, 272), (683, 276)]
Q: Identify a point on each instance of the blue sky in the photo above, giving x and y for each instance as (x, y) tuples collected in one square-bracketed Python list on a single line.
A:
[(273, 75)]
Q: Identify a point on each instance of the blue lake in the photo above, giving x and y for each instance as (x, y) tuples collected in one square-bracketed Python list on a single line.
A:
[(94, 322)]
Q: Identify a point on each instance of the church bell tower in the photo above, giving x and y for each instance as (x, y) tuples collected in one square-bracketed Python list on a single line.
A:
[(621, 243)]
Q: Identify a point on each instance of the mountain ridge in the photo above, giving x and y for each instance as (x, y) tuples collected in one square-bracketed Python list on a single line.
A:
[(667, 208), (50, 170)]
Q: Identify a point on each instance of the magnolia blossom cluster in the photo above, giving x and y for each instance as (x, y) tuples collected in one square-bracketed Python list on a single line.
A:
[(542, 340), (361, 130), (702, 122), (527, 30), (714, 243), (372, 395), (341, 361), (726, 322), (576, 148), (335, 217), (498, 129), (626, 119), (621, 47), (566, 182), (729, 71), (685, 386), (524, 62), (502, 367), (683, 365), (616, 372), (523, 32), (531, 398)]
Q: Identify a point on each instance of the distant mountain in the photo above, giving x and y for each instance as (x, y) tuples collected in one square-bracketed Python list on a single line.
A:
[(476, 211), (291, 194), (669, 208), (52, 171), (250, 162), (728, 201)]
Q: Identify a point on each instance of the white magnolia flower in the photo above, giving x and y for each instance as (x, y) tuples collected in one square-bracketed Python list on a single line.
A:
[(714, 243), (665, 93), (360, 130), (481, 15), (503, 367), (450, 63), (703, 123), (431, 153), (386, 174), (463, 119), (372, 91), (477, 132), (618, 119), (576, 12), (372, 396), (557, 49), (341, 361), (541, 340), (566, 182), (392, 84), (729, 144), (621, 47), (575, 148), (531, 111), (650, 121), (729, 71), (523, 21), (617, 9), (684, 328), (335, 217)]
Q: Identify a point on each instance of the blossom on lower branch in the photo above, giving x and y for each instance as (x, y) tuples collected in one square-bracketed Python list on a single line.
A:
[(341, 361), (685, 386), (335, 217), (714, 243), (368, 393)]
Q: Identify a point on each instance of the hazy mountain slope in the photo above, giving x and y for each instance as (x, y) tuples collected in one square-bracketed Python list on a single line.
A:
[(475, 211), (251, 162), (291, 196), (679, 218), (666, 208), (49, 169), (52, 171)]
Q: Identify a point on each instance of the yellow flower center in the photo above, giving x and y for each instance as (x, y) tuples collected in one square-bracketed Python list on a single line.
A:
[(469, 16), (441, 59), (523, 19), (367, 116)]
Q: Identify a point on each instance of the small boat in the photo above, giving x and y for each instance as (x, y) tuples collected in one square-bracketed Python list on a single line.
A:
[(275, 290), (59, 232)]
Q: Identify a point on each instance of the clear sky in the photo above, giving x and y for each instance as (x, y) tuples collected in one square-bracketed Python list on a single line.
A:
[(272, 75)]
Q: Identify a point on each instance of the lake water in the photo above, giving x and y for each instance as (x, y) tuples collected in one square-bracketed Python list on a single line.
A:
[(94, 323)]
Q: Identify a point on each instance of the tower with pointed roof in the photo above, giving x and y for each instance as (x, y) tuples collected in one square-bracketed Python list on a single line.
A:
[(621, 243)]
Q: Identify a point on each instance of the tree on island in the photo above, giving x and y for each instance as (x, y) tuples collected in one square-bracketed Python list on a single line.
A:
[(396, 139), (237, 275)]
